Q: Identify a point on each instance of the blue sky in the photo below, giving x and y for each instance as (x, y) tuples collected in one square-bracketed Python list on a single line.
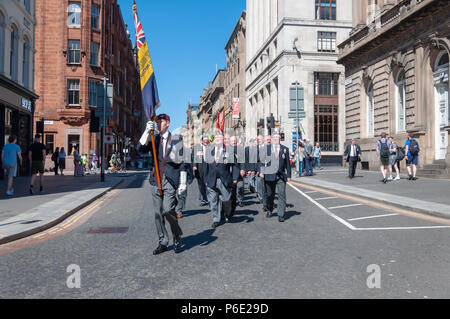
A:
[(186, 40)]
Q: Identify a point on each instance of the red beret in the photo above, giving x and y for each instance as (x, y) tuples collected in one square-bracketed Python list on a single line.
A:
[(164, 117)]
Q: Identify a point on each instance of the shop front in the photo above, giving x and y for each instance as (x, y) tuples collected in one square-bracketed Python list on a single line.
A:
[(16, 118)]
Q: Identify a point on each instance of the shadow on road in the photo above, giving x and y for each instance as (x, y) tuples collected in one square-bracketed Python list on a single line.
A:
[(190, 213), (201, 239)]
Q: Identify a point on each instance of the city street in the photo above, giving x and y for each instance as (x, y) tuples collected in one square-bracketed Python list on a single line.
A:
[(324, 250)]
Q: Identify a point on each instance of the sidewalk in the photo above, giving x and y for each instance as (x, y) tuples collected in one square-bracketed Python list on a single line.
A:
[(429, 196), (23, 214)]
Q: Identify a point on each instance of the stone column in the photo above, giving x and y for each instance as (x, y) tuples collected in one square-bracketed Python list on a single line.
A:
[(359, 12)]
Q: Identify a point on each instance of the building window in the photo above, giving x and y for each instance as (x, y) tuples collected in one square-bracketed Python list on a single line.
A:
[(74, 56), (2, 42), (74, 14), (72, 141), (325, 9), (73, 92), (326, 127), (326, 41), (95, 15), (401, 102), (94, 53), (370, 111), (26, 63), (93, 93), (326, 83), (14, 56), (49, 143), (27, 4)]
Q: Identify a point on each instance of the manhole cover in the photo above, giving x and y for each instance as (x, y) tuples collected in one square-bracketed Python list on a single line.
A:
[(108, 230)]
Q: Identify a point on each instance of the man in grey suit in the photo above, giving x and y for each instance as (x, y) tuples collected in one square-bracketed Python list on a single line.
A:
[(199, 167), (309, 158), (353, 153)]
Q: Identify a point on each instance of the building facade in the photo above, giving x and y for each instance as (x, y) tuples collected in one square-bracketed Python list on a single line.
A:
[(85, 43), (235, 77), (17, 95), (291, 56), (397, 71), (193, 126)]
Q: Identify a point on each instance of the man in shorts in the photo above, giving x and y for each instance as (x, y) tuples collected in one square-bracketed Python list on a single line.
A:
[(10, 153), (36, 156), (383, 155), (412, 156)]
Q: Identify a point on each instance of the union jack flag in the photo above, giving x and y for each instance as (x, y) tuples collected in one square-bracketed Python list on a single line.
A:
[(140, 36)]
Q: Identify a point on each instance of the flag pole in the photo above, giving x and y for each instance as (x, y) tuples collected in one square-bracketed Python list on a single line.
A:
[(152, 136)]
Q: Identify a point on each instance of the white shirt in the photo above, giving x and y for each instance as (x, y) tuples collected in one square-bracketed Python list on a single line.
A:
[(165, 137), (352, 150)]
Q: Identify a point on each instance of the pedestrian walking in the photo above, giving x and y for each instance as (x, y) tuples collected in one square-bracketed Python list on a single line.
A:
[(300, 158), (62, 160), (412, 150), (250, 155), (353, 154), (94, 163), (181, 198), (383, 146), (173, 181), (260, 152), (276, 174), (83, 164), (36, 157), (55, 159), (199, 168), (393, 159), (10, 154), (238, 189), (76, 161), (317, 154), (309, 156), (221, 174)]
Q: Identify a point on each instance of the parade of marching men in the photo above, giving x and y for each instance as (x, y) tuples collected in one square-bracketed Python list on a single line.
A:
[(218, 151)]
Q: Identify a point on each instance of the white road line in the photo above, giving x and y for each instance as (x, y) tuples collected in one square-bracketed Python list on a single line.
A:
[(371, 217), (325, 198), (311, 192), (324, 209), (345, 206), (405, 228)]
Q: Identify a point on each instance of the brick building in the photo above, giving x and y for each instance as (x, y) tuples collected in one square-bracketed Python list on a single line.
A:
[(78, 43), (397, 78)]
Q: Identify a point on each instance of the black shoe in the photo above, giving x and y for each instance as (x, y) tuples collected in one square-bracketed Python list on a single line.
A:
[(160, 249), (215, 225), (414, 178), (281, 219), (385, 181), (268, 214), (177, 245), (410, 177)]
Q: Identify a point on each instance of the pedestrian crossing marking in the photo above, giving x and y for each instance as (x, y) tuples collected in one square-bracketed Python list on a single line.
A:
[(325, 198), (371, 217), (345, 206)]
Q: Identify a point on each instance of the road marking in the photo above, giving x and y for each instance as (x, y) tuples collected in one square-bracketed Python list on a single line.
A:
[(324, 209), (405, 228), (311, 192), (325, 198), (371, 217), (345, 206)]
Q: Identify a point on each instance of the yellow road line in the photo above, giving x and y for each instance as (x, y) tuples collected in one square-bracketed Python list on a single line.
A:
[(377, 205)]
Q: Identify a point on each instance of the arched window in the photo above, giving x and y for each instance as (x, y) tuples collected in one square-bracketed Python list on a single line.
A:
[(26, 63), (14, 53), (401, 102), (370, 111), (2, 42)]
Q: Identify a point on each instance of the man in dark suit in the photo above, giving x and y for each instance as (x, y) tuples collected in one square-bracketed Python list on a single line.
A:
[(173, 177), (353, 153), (221, 174), (238, 189), (276, 173), (199, 168)]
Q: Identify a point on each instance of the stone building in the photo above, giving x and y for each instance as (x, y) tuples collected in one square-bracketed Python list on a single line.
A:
[(17, 95), (291, 56), (235, 76), (78, 43), (194, 125), (397, 70)]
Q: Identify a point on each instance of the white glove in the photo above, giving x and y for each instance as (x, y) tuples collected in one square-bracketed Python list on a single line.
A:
[(183, 183), (150, 126)]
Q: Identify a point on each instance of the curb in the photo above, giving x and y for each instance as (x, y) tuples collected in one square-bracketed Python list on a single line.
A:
[(57, 221), (377, 200)]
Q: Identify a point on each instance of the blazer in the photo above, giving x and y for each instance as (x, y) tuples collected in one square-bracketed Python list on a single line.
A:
[(348, 151), (199, 162), (172, 169), (227, 170), (284, 165)]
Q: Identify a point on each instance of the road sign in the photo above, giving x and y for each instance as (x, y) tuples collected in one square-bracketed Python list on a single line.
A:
[(301, 106), (109, 139), (295, 115)]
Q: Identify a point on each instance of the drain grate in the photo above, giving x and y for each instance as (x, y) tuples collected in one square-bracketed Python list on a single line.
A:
[(108, 230)]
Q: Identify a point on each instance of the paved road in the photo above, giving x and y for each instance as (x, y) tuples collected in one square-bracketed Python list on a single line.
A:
[(314, 254)]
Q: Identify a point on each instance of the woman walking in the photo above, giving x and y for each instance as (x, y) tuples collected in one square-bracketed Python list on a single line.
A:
[(62, 160), (55, 159), (393, 160)]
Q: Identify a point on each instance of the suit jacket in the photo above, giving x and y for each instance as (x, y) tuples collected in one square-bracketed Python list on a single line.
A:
[(199, 162), (172, 169), (348, 151), (227, 170), (284, 165)]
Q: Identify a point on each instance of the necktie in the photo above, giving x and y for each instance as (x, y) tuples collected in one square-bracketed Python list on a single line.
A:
[(276, 152)]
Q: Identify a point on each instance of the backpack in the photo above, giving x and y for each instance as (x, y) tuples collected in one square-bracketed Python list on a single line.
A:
[(384, 150), (54, 157), (414, 147), (400, 153)]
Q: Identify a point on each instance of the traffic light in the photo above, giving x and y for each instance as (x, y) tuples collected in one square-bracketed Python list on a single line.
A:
[(270, 122), (40, 127), (94, 124), (282, 137)]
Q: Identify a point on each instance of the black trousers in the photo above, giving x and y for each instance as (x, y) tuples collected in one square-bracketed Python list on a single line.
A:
[(353, 161)]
